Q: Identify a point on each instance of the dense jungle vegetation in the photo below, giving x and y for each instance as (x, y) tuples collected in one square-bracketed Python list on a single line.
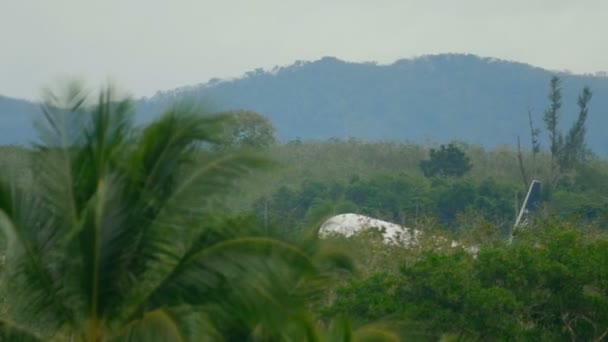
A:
[(200, 226)]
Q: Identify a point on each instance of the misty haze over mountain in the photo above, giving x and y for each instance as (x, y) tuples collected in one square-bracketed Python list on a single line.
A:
[(433, 98)]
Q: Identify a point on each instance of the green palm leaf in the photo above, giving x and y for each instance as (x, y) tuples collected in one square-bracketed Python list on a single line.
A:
[(120, 237), (9, 331), (169, 324), (31, 268)]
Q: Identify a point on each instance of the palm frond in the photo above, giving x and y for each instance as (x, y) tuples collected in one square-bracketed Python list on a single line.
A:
[(327, 255), (31, 270), (197, 278), (375, 333), (171, 227), (179, 324), (63, 121), (120, 238), (9, 331)]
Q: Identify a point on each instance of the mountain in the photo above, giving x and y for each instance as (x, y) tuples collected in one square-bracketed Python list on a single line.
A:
[(16, 118), (437, 98)]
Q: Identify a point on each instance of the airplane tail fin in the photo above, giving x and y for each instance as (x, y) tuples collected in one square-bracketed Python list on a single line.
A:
[(529, 206)]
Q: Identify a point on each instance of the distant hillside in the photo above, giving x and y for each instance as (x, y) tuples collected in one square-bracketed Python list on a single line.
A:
[(437, 98), (16, 118)]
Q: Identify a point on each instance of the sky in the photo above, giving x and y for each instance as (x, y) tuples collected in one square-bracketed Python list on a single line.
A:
[(149, 45)]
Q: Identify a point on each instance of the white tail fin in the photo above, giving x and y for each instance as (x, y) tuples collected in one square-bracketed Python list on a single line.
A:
[(529, 206)]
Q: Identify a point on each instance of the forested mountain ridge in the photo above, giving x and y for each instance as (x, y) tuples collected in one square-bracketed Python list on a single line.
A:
[(16, 120), (438, 98)]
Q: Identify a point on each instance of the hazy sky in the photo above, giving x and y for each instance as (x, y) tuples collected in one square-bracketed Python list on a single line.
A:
[(147, 45)]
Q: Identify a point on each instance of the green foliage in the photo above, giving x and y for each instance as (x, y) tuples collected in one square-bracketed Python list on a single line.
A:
[(549, 285), (379, 291), (575, 145), (401, 199), (447, 161), (246, 128), (534, 133), (120, 235), (551, 117), (566, 151)]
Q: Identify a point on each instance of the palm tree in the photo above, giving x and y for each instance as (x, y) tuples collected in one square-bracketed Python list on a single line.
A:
[(119, 237)]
